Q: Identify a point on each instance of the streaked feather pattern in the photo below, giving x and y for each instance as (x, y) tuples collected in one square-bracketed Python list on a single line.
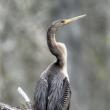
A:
[(52, 91), (40, 98)]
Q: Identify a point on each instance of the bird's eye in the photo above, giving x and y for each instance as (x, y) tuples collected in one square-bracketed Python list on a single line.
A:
[(62, 21)]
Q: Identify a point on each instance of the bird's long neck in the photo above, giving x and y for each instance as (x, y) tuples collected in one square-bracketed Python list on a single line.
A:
[(54, 47)]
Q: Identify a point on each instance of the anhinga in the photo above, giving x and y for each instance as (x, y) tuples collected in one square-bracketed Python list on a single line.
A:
[(53, 89)]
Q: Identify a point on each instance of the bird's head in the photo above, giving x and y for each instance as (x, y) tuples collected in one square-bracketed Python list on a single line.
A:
[(62, 22)]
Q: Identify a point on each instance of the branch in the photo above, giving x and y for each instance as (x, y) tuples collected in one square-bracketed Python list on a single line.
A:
[(26, 98), (28, 105), (7, 107)]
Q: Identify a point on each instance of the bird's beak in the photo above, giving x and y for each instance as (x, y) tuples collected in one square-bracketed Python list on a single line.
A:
[(67, 21)]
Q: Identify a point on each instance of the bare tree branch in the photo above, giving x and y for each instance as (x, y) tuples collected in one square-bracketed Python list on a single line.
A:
[(28, 105), (26, 98), (7, 107)]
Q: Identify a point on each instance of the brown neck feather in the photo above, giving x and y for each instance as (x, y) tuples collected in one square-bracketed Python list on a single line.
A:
[(54, 47)]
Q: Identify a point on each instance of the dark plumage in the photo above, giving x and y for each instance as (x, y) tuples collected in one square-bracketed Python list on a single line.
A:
[(53, 89)]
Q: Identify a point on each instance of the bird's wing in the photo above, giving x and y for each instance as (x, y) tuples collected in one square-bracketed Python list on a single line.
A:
[(59, 94), (64, 101), (40, 96)]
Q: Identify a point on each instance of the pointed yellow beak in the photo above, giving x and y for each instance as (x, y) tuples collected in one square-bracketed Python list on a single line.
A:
[(67, 21)]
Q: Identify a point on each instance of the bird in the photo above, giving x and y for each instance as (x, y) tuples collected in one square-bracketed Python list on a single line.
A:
[(53, 91)]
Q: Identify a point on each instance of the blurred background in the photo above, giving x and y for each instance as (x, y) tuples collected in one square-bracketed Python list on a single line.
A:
[(24, 54)]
